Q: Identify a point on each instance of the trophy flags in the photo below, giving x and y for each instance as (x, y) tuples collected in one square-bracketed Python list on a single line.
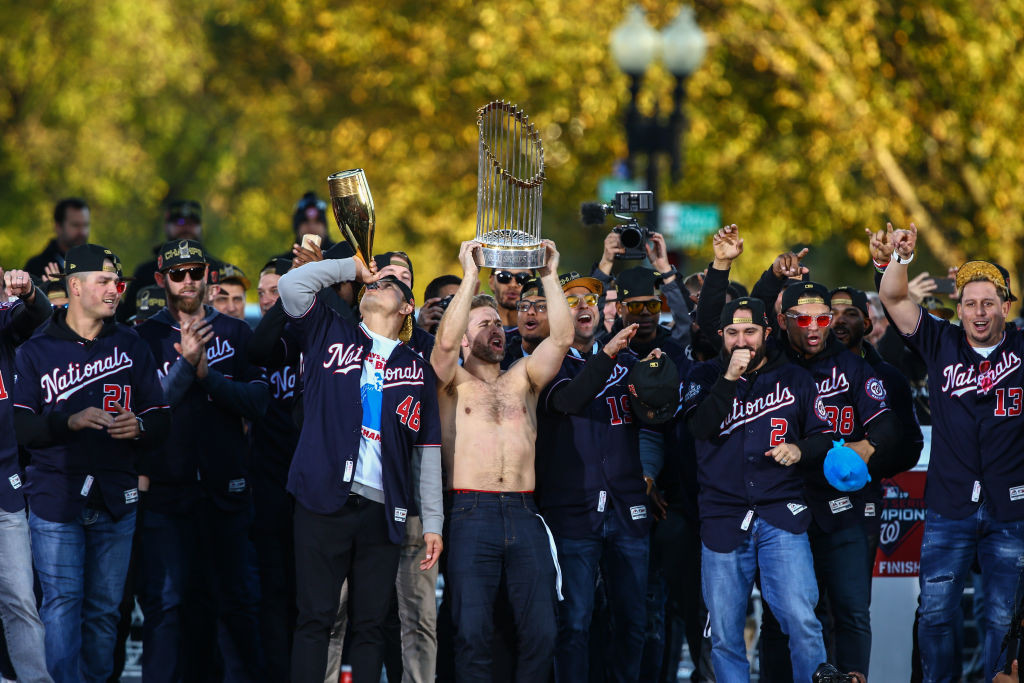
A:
[(353, 210), (510, 180)]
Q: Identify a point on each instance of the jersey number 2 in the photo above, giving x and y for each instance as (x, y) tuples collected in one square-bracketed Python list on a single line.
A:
[(779, 428), (113, 393), (412, 419)]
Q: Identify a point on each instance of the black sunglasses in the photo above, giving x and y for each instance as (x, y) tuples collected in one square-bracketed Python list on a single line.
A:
[(504, 277), (195, 273)]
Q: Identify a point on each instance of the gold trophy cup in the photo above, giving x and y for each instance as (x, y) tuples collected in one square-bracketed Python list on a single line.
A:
[(353, 210)]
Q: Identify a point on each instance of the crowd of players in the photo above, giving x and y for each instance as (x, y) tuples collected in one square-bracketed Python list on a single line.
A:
[(601, 466)]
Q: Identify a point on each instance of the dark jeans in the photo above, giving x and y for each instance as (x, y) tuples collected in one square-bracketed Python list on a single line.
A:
[(842, 566), (192, 571), (622, 559), (496, 538), (351, 543)]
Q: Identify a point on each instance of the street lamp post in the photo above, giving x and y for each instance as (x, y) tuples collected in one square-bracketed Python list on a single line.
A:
[(634, 46)]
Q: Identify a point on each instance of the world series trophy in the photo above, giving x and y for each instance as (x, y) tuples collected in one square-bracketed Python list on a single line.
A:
[(510, 181), (353, 210)]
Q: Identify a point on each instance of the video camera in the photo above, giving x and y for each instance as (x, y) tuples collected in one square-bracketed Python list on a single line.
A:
[(633, 235)]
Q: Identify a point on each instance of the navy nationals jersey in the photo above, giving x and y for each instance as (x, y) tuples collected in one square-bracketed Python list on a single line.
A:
[(853, 397), (333, 351), (590, 462), (13, 315), (976, 406), (738, 482), (207, 449), (59, 374)]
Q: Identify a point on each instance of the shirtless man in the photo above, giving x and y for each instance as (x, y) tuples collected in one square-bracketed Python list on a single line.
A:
[(489, 427)]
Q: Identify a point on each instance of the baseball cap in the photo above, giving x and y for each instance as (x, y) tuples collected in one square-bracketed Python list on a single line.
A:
[(56, 289), (179, 252), (228, 272), (730, 317), (574, 279), (277, 266), (394, 258), (844, 469), (149, 301), (801, 293), (184, 209), (638, 281), (974, 271), (849, 296), (653, 386), (88, 258), (532, 287)]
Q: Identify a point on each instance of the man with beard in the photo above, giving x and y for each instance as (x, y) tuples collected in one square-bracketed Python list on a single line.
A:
[(755, 416), (88, 404), (591, 489), (357, 470), (533, 323), (507, 285), (974, 493), (71, 223), (193, 546), (490, 432)]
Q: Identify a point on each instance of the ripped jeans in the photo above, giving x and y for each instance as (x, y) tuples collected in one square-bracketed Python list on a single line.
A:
[(948, 549)]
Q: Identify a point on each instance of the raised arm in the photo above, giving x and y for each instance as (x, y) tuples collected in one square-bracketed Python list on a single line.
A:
[(299, 286), (448, 341), (894, 290), (543, 364)]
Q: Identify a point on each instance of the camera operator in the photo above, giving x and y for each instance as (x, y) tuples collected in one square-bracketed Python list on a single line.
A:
[(437, 296)]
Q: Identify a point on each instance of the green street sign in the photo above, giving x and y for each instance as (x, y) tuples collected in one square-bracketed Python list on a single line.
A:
[(686, 226)]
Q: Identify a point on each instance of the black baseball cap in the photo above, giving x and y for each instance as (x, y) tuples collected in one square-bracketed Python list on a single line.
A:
[(89, 258), (754, 305), (277, 266), (180, 252), (653, 386), (532, 287), (229, 272), (638, 281), (149, 301), (856, 297), (805, 293), (56, 289), (184, 209), (394, 258), (406, 292)]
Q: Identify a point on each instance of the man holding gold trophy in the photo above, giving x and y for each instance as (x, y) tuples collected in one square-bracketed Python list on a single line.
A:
[(369, 450)]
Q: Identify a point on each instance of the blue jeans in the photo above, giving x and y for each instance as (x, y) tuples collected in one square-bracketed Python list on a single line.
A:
[(496, 536), (622, 559), (787, 584), (22, 627), (948, 548), (82, 567)]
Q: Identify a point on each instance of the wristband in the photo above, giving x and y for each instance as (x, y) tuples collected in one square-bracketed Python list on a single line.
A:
[(880, 267), (900, 260)]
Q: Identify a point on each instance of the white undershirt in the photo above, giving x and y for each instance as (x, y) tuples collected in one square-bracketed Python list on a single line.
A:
[(371, 389)]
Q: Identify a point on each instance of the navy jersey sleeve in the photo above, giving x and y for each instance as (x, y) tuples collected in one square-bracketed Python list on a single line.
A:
[(147, 393), (928, 334), (27, 389), (8, 310), (698, 385), (430, 421)]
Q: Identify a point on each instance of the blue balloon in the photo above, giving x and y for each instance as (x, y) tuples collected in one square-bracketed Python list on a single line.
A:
[(844, 469)]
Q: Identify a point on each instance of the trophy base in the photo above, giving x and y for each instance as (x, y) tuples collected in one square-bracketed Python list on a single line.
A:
[(510, 249), (511, 257)]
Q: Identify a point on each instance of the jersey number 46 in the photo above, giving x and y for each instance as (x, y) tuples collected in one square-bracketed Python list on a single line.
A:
[(409, 414)]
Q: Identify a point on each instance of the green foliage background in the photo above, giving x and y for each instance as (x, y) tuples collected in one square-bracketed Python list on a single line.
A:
[(809, 121)]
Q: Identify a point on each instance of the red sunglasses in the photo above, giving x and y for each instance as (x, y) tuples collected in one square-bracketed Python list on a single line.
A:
[(804, 320)]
